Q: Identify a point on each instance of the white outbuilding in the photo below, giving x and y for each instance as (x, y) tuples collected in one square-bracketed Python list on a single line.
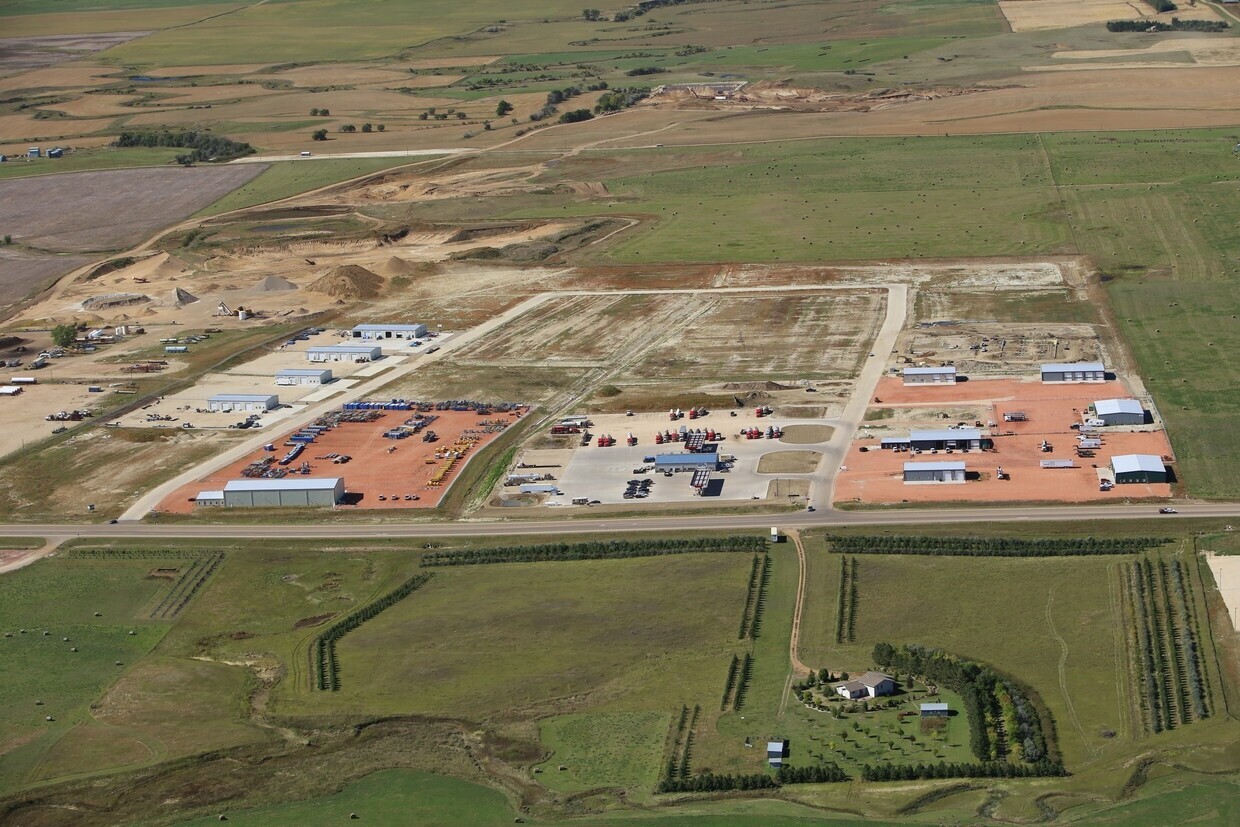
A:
[(303, 376)]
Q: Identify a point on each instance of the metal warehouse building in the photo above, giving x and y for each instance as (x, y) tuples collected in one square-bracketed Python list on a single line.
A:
[(1119, 411), (686, 462), (930, 376), (303, 376), (344, 353), (933, 472), (282, 493), (248, 402), (957, 439), (1074, 372), (1138, 468), (389, 331)]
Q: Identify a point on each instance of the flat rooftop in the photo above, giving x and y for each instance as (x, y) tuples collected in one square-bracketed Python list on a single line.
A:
[(1112, 406), (934, 466), (1126, 463), (285, 484), (1068, 367), (947, 435)]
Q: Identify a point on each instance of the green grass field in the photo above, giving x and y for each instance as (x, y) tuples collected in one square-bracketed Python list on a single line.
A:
[(88, 159), (61, 597)]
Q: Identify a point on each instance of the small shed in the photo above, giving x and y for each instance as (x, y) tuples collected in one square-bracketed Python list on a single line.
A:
[(935, 710), (775, 752)]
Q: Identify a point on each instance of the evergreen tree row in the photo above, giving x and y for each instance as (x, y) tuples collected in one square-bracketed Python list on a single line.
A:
[(203, 146), (983, 769), (709, 783), (818, 774), (992, 546), (323, 663), (611, 550)]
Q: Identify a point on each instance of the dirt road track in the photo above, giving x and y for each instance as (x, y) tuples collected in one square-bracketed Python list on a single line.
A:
[(794, 642)]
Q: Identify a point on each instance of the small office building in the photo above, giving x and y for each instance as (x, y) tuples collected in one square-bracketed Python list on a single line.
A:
[(930, 376), (292, 491), (929, 472), (303, 376), (1074, 372), (243, 402)]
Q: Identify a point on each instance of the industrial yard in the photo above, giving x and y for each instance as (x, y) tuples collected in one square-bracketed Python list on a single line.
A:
[(391, 455)]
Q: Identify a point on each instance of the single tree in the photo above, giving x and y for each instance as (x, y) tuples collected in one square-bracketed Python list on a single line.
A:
[(367, 127), (381, 128), (314, 112), (325, 112), (348, 128), (64, 335), (319, 135), (503, 108), (423, 116)]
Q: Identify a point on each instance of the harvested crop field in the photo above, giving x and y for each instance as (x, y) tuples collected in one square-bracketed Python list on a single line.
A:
[(111, 209), (22, 274), (1040, 15)]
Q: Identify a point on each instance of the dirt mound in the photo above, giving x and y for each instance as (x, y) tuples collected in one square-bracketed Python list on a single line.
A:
[(757, 386), (396, 266), (109, 300), (350, 281), (170, 266), (179, 297), (273, 284)]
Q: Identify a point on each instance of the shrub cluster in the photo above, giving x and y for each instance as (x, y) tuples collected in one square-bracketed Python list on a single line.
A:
[(323, 663), (617, 99), (203, 146), (992, 546), (610, 550)]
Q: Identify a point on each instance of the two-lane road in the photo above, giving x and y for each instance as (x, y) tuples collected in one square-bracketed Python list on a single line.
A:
[(615, 525)]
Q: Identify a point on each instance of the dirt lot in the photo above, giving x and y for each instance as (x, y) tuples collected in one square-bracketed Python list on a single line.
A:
[(874, 476), (112, 208), (389, 468), (23, 415), (48, 50), (980, 349), (789, 462), (1226, 571)]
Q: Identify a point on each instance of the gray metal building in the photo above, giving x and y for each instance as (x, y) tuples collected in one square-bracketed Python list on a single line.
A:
[(389, 331), (1134, 468), (686, 462), (915, 472), (344, 353), (283, 493), (945, 375), (303, 376), (245, 402), (958, 439), (1119, 411), (1074, 372)]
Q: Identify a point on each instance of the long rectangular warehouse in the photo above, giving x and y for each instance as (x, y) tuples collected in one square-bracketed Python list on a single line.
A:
[(686, 462), (1074, 372), (247, 402), (917, 472), (389, 331), (284, 493), (344, 353), (930, 376), (955, 438), (303, 376)]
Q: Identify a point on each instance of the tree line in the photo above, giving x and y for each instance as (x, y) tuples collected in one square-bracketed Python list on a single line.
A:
[(600, 550), (992, 703), (203, 146), (708, 782), (992, 546), (1176, 25), (323, 663), (983, 769)]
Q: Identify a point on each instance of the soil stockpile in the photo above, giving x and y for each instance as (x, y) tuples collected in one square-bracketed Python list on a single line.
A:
[(114, 300), (274, 284), (350, 281), (396, 266)]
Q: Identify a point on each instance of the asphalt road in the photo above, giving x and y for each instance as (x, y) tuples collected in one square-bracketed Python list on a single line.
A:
[(797, 520)]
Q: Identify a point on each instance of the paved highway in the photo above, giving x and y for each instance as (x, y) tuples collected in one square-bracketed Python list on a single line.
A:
[(500, 528)]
